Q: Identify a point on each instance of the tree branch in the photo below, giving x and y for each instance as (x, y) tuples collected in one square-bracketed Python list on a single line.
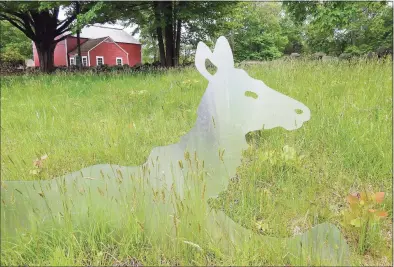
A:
[(24, 19), (65, 24), (27, 23), (16, 19), (63, 31), (56, 12), (61, 23), (148, 4), (19, 27), (16, 14), (60, 39)]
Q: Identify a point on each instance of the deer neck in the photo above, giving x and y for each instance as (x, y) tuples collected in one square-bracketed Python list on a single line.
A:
[(220, 148), (216, 141), (211, 137)]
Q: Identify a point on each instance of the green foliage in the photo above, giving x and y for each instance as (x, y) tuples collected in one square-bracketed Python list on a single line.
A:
[(40, 23), (264, 31), (90, 13), (334, 27), (261, 30), (293, 32), (150, 50), (256, 48), (14, 45), (353, 50), (148, 39), (205, 21), (199, 19), (362, 207), (364, 217), (254, 31)]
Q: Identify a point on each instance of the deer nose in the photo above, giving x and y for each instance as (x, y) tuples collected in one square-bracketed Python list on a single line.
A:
[(303, 112)]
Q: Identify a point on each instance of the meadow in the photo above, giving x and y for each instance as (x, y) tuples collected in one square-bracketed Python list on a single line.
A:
[(288, 181)]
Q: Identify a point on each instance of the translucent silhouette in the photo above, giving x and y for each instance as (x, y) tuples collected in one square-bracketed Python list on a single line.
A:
[(197, 168)]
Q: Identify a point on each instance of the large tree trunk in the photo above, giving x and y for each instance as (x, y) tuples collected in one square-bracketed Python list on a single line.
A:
[(153, 39), (174, 31), (79, 60), (46, 55), (45, 35), (169, 45), (165, 14), (161, 46), (159, 31), (178, 26), (178, 42), (169, 34), (42, 27)]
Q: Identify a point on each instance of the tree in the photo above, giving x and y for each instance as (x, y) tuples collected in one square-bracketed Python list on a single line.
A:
[(39, 22), (85, 12), (293, 33), (165, 20), (255, 31), (335, 27), (15, 47), (78, 27), (150, 49)]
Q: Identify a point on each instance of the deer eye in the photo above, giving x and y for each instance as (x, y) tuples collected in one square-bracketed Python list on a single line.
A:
[(251, 94)]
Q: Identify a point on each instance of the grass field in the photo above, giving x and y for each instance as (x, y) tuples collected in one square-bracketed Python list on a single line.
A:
[(80, 121)]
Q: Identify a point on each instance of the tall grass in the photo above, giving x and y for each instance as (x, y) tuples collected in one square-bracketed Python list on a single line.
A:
[(80, 121)]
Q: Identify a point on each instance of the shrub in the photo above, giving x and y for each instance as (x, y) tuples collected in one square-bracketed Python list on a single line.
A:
[(353, 50), (318, 55), (147, 67), (345, 56), (364, 215)]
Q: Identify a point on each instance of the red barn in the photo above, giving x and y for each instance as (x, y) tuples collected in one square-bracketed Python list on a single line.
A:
[(99, 45)]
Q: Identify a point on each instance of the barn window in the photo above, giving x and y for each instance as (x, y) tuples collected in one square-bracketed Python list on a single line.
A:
[(72, 61), (84, 61), (100, 61), (119, 61)]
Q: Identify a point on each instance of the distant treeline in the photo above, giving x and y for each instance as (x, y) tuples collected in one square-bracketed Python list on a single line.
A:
[(170, 30)]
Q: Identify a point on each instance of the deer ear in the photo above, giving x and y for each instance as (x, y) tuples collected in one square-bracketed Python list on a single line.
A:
[(222, 54), (202, 54)]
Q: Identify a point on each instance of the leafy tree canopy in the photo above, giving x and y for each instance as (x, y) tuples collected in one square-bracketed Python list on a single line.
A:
[(14, 45)]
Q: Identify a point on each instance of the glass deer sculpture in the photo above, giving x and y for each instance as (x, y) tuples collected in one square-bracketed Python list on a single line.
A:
[(187, 173)]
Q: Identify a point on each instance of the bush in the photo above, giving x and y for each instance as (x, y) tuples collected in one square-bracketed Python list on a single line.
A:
[(147, 67), (353, 51), (364, 216), (33, 70), (187, 64), (365, 49), (345, 56), (318, 55), (384, 51), (11, 66)]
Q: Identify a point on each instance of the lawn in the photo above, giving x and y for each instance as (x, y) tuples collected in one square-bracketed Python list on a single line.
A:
[(78, 121)]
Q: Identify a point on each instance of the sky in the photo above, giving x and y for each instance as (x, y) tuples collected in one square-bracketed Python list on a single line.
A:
[(129, 29)]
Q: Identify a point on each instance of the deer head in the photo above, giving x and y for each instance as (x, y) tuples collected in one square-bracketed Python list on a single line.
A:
[(235, 99)]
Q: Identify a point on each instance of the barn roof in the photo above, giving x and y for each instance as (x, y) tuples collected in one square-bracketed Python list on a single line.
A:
[(88, 45), (98, 31)]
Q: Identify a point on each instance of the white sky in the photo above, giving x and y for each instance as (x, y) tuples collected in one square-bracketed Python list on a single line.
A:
[(129, 30)]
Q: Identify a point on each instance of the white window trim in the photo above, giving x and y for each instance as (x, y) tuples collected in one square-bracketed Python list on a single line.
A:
[(65, 44), (72, 61), (121, 61), (88, 58), (97, 58), (86, 61)]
